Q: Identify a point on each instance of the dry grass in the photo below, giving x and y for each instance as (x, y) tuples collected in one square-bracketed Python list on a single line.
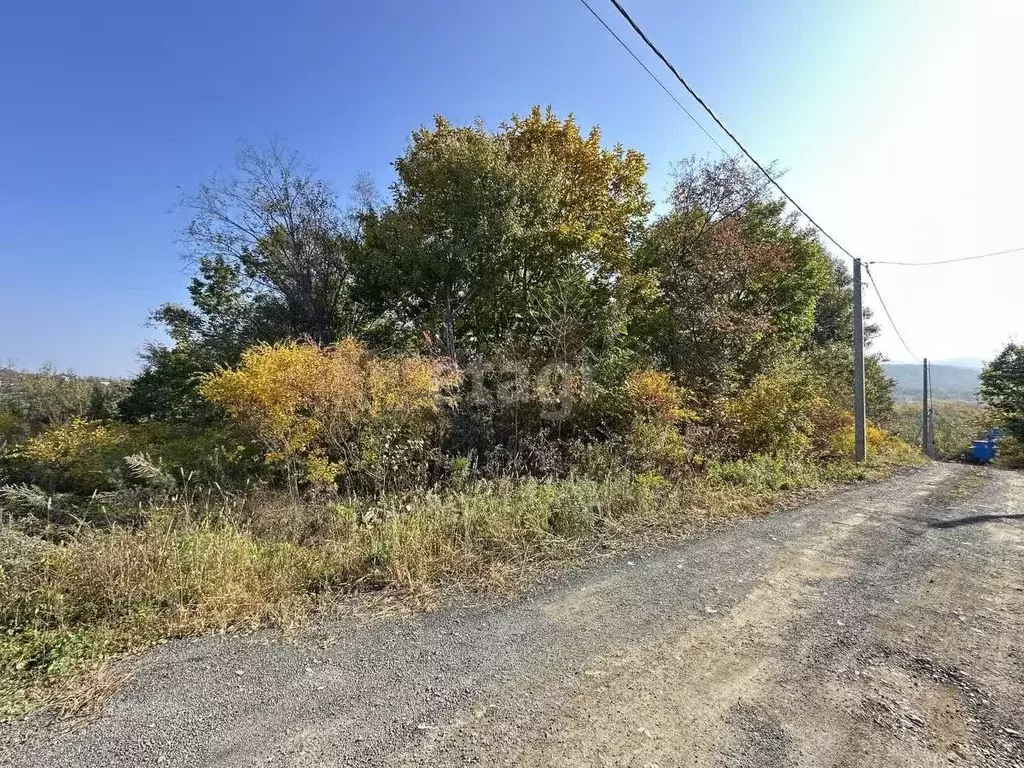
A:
[(956, 425), (71, 599)]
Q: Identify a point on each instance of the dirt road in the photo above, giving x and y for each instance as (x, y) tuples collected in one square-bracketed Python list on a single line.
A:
[(882, 626)]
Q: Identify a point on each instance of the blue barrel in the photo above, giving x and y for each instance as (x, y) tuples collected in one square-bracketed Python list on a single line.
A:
[(983, 451)]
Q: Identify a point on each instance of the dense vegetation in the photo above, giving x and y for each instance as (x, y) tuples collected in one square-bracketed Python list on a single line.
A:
[(956, 423), (1002, 389), (505, 355)]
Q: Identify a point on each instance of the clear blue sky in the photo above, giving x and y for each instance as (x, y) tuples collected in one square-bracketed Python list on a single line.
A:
[(112, 109)]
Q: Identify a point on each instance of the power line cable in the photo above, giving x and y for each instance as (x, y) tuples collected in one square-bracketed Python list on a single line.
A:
[(636, 28), (654, 77), (730, 134), (948, 261), (874, 284)]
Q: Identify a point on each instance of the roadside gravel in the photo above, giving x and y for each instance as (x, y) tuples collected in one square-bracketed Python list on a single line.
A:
[(882, 625)]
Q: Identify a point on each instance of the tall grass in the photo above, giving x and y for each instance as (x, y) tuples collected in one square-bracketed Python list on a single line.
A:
[(72, 595)]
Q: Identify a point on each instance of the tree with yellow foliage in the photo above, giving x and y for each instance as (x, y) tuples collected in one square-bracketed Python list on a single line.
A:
[(337, 412), (516, 236)]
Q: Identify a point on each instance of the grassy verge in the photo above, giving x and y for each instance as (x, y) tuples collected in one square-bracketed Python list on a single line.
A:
[(956, 424), (72, 597)]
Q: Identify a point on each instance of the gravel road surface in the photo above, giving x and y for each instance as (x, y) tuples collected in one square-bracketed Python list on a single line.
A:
[(879, 627)]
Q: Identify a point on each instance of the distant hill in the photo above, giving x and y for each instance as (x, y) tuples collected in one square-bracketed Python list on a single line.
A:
[(949, 382), (962, 362)]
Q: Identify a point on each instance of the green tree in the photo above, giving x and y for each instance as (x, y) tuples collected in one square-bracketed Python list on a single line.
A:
[(830, 348), (1002, 388), (736, 279), (436, 255), (167, 389), (833, 311), (509, 250), (519, 236), (272, 255)]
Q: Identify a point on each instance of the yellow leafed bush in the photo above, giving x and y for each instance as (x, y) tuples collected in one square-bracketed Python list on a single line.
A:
[(338, 410), (655, 406), (784, 411), (273, 391), (881, 445), (84, 455), (79, 455), (654, 395)]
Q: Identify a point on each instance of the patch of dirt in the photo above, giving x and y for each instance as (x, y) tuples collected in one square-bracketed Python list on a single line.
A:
[(881, 627)]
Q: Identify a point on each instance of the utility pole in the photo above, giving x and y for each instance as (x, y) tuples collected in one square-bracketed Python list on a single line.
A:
[(931, 415), (926, 422), (860, 447)]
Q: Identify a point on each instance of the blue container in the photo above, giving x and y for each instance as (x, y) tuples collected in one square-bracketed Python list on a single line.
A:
[(983, 451)]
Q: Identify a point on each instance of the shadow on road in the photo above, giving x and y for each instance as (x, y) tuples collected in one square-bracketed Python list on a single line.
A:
[(972, 520)]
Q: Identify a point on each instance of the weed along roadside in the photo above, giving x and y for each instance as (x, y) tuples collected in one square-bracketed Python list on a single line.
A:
[(85, 595), (468, 390)]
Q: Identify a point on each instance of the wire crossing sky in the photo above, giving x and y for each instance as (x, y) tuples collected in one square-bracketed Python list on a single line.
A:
[(771, 178), (704, 105), (656, 79), (950, 261), (885, 309), (898, 128)]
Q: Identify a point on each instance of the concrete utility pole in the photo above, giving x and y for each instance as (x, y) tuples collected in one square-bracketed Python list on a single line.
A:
[(931, 418), (860, 446), (926, 415)]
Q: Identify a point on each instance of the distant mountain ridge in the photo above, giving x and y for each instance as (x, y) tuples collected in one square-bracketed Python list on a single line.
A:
[(949, 382), (975, 363)]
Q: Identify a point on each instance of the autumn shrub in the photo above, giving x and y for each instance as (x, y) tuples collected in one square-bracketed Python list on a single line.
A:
[(519, 417), (84, 456), (30, 402), (1010, 453), (882, 445), (33, 402), (655, 396), (79, 456), (655, 409), (783, 411), (337, 412)]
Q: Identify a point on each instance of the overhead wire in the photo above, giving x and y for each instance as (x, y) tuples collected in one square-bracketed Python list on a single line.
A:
[(718, 121), (636, 27), (949, 261), (888, 314), (656, 79)]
